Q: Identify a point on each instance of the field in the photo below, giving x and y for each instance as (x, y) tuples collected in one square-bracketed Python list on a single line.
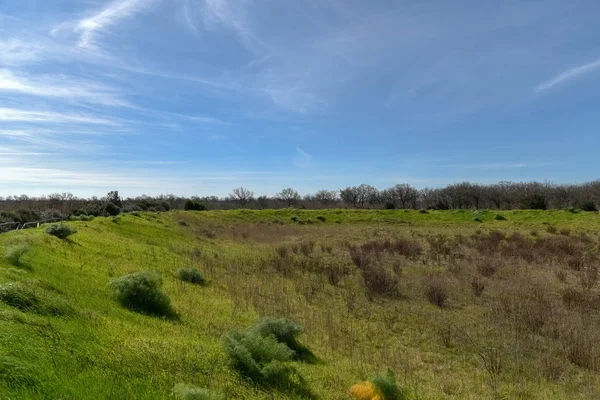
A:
[(457, 304)]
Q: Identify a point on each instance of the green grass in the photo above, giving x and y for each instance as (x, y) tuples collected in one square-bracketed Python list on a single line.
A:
[(63, 335)]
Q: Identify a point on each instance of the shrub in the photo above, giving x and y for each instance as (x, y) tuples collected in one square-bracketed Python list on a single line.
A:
[(14, 253), (141, 292), (194, 205), (380, 282), (477, 286), (284, 331), (380, 387), (477, 219), (112, 209), (295, 218), (386, 383), (188, 392), (60, 231), (551, 229), (389, 205), (423, 211), (321, 218), (258, 358), (190, 275), (499, 217), (488, 266), (436, 292), (589, 206), (336, 272)]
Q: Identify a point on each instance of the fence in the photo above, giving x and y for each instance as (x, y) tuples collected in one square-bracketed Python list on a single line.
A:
[(14, 226)]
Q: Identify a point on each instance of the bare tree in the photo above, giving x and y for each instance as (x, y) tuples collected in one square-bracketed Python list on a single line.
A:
[(289, 195), (358, 196), (326, 197), (401, 196), (241, 195)]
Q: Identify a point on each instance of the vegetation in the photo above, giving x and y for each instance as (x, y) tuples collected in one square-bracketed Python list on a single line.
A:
[(60, 231), (191, 275), (141, 292), (452, 307), (14, 254)]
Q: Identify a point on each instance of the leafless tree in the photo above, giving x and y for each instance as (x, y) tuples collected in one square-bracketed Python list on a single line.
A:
[(241, 195), (401, 196), (289, 195), (326, 197), (358, 196)]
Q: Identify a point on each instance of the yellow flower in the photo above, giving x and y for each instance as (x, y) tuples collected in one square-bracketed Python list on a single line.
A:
[(365, 391)]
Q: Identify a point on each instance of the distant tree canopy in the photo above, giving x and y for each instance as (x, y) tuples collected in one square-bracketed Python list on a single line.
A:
[(461, 195)]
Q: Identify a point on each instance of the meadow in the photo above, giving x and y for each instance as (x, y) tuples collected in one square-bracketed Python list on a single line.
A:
[(455, 304)]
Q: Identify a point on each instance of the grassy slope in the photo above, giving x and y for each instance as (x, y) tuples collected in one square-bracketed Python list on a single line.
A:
[(104, 351)]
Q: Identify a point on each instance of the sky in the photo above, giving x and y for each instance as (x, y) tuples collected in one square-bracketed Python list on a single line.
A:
[(197, 97)]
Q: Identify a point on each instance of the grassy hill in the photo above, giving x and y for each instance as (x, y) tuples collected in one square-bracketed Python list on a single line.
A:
[(457, 304)]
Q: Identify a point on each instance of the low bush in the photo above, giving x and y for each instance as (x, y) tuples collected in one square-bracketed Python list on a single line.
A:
[(499, 217), (477, 286), (61, 231), (477, 219), (380, 282), (380, 387), (190, 275), (589, 206), (14, 253), (386, 383), (262, 351), (141, 292), (188, 392), (321, 218), (194, 205), (112, 210), (24, 297), (284, 331), (436, 292), (259, 358)]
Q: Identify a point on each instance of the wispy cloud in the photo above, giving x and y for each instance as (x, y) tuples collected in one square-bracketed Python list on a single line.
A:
[(90, 28), (302, 159), (17, 115), (16, 52), (497, 165), (568, 75), (60, 86)]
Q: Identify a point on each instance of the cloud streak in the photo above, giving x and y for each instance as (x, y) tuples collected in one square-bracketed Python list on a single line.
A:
[(60, 87), (17, 115), (89, 29), (568, 75)]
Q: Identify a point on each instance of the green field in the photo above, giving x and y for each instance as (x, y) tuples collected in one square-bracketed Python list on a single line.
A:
[(456, 307)]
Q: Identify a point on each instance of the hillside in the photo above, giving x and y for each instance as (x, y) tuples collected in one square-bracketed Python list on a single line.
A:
[(457, 304)]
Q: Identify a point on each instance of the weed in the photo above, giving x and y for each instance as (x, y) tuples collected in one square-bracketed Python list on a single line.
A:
[(60, 231), (191, 275), (477, 286), (188, 392), (436, 291), (14, 253), (141, 292)]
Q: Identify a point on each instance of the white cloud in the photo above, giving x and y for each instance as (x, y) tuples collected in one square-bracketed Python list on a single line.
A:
[(497, 165), (16, 115), (91, 27), (302, 159), (59, 87), (16, 52), (568, 75)]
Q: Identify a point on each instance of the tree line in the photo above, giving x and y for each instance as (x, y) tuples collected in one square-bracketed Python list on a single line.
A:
[(463, 195)]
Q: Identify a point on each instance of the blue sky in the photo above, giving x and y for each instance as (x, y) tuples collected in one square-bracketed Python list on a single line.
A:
[(201, 96)]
